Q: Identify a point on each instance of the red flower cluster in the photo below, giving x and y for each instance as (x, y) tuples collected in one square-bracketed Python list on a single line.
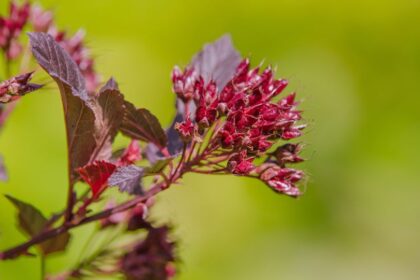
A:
[(250, 119), (282, 180), (43, 21), (15, 87), (11, 27), (152, 258)]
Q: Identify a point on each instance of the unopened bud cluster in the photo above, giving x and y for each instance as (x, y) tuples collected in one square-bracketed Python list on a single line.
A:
[(249, 120)]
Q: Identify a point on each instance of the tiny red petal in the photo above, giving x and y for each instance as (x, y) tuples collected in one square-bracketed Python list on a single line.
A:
[(131, 154)]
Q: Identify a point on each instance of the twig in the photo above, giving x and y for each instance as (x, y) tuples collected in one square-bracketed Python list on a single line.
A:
[(43, 264), (22, 248)]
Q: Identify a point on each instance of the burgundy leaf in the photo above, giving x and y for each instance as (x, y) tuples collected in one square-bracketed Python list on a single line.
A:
[(128, 179), (33, 222), (91, 121), (175, 143), (217, 61), (80, 119), (96, 175), (142, 125), (109, 111), (3, 172), (58, 63)]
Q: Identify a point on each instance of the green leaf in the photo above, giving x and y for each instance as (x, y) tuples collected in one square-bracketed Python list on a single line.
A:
[(157, 167), (31, 220)]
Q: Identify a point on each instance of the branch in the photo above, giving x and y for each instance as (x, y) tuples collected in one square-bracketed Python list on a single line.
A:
[(23, 248), (181, 169)]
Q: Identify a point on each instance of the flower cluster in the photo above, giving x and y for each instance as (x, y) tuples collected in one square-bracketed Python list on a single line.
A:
[(11, 27), (250, 120), (43, 21), (152, 258), (12, 89), (230, 119)]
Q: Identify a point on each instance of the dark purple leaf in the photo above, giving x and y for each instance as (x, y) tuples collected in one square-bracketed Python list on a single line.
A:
[(58, 63), (33, 222), (128, 179), (3, 172), (80, 119), (142, 125), (175, 143), (109, 111), (217, 61), (91, 121)]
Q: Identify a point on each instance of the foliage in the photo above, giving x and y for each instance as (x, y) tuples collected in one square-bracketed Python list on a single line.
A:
[(230, 120)]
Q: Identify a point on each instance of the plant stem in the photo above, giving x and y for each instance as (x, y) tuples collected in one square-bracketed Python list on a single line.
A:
[(181, 161), (22, 248), (70, 202), (43, 265), (156, 188)]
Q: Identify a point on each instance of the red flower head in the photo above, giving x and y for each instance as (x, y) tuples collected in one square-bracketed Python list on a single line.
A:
[(41, 19), (15, 87), (184, 83), (282, 180), (241, 165), (186, 129)]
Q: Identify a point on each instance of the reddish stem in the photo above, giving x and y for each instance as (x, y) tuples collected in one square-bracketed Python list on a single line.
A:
[(21, 249), (182, 167)]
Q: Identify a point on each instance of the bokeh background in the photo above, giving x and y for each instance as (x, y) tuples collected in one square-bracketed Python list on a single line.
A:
[(356, 67)]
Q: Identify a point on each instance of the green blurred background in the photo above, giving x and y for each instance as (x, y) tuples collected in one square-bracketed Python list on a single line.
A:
[(356, 66)]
